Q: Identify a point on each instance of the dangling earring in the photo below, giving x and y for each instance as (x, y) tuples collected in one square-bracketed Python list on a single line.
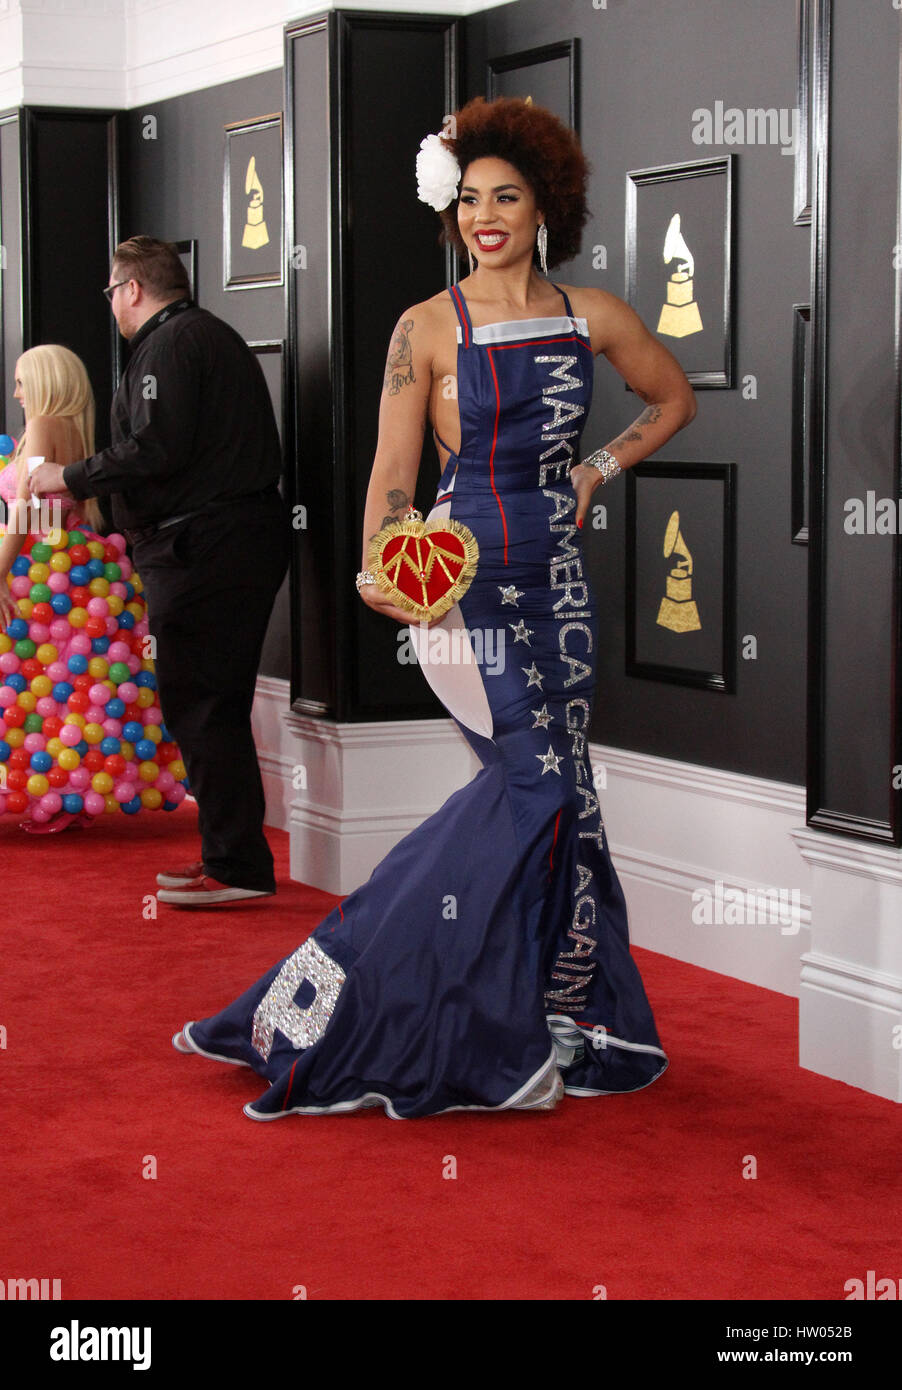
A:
[(470, 254), (542, 243)]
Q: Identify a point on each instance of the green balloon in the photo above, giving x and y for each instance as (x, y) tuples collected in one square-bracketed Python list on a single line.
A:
[(41, 553), (25, 648), (76, 538), (119, 672), (33, 723), (40, 593), (112, 571)]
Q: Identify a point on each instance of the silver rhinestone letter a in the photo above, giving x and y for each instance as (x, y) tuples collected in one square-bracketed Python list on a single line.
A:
[(277, 1009)]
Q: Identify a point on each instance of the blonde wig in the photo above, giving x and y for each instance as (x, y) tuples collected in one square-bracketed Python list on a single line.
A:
[(55, 383)]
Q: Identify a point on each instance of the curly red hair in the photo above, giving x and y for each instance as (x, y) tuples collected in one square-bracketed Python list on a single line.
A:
[(544, 150)]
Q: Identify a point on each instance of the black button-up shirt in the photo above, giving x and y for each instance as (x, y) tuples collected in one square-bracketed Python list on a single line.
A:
[(192, 423)]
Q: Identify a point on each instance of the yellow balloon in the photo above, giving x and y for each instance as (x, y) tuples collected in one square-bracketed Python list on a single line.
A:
[(78, 719), (144, 698), (178, 769), (67, 758), (136, 609), (15, 737), (46, 653), (55, 746), (41, 685), (112, 805), (96, 549), (148, 771), (27, 701), (99, 587), (59, 542), (152, 731), (115, 604), (6, 643), (25, 607), (127, 750), (151, 799), (38, 573), (78, 616), (93, 733), (98, 667), (102, 782), (37, 784), (60, 561)]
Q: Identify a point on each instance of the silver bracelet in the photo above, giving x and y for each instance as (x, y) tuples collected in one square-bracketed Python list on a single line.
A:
[(606, 464), (364, 577)]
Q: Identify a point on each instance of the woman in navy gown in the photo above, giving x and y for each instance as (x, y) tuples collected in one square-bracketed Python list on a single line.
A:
[(485, 964)]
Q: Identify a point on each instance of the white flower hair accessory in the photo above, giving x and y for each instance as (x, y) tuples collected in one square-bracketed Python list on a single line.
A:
[(438, 173)]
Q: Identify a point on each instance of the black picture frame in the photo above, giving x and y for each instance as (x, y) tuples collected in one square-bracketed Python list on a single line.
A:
[(271, 352), (801, 211), (706, 192), (801, 393), (253, 156), (188, 255), (557, 87), (681, 628)]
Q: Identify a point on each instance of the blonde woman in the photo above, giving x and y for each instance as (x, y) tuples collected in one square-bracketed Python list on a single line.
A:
[(49, 665)]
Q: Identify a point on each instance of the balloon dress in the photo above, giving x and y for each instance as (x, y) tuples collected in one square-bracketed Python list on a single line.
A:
[(485, 964), (81, 729)]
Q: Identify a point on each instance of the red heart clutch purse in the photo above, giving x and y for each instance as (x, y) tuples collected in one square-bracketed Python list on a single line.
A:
[(424, 567)]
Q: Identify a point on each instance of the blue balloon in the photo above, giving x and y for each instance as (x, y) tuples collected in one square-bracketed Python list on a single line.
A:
[(126, 620), (99, 645), (131, 807), (61, 691), (77, 664), (109, 746), (145, 749), (129, 592), (146, 678), (17, 629), (132, 731), (170, 805), (166, 737), (81, 748), (78, 574), (115, 708), (95, 568), (61, 603), (17, 681), (41, 762), (21, 565), (7, 446), (73, 803), (5, 750)]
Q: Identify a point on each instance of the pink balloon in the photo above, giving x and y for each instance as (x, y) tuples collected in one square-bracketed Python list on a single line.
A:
[(70, 734), (20, 586), (118, 589), (98, 607), (38, 814), (123, 790), (112, 727), (128, 692), (9, 663), (118, 651), (153, 715), (60, 632), (134, 665), (80, 778), (51, 802), (38, 632), (81, 644), (99, 694), (8, 696), (34, 743), (125, 565), (131, 771), (112, 626), (165, 782), (94, 803), (58, 582), (94, 714), (118, 541), (45, 706), (177, 794)]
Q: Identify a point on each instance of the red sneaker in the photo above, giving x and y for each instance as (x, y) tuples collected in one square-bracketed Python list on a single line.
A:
[(180, 878), (208, 892)]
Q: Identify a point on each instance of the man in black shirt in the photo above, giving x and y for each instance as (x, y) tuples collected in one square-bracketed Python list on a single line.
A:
[(193, 476)]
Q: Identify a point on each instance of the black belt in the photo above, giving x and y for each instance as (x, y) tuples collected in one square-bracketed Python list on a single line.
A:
[(144, 533)]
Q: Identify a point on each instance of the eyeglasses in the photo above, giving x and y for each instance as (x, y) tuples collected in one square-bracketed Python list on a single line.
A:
[(108, 290)]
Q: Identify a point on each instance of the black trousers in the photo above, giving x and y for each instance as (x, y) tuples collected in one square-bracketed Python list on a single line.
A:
[(210, 583)]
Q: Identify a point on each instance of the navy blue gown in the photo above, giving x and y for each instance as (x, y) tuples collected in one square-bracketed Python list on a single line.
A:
[(485, 964)]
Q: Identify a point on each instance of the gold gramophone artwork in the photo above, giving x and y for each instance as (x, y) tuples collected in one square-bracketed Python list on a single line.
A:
[(255, 233), (678, 610), (680, 315)]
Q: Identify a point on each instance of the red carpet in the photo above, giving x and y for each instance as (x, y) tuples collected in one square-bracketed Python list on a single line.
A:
[(643, 1194)]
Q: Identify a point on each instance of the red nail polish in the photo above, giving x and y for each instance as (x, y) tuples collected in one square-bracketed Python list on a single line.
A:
[(580, 525)]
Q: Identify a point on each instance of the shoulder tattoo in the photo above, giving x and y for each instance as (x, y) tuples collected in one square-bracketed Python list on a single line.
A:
[(399, 367)]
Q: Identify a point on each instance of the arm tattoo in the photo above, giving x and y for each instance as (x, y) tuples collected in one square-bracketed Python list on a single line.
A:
[(650, 416), (399, 367)]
